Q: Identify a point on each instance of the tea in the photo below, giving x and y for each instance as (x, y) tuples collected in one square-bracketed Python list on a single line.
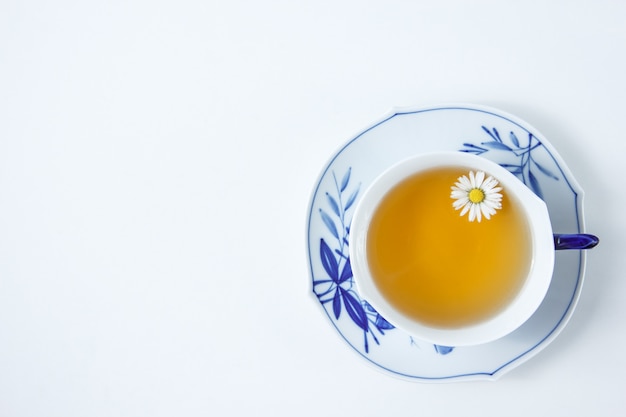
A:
[(436, 266)]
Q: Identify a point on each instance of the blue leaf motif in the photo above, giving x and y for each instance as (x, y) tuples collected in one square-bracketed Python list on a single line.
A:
[(333, 204), (346, 273), (368, 307), (524, 155), (328, 261), (473, 148), (514, 139), (337, 304), (337, 265), (443, 350), (545, 171), (534, 185), (345, 180), (383, 324), (354, 309), (471, 145), (495, 135), (472, 151), (352, 198), (497, 145), (330, 224)]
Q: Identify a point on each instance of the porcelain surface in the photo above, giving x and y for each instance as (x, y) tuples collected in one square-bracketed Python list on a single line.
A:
[(478, 130), (540, 264)]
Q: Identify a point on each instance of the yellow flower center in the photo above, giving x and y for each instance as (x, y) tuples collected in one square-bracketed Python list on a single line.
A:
[(476, 195)]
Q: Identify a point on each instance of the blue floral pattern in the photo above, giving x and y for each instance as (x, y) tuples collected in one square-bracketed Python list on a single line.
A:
[(337, 287), (494, 135), (525, 166)]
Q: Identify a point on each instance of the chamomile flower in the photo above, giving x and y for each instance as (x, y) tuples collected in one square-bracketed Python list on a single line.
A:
[(477, 196)]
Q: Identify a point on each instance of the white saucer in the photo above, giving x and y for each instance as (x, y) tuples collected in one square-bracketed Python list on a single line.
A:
[(483, 131)]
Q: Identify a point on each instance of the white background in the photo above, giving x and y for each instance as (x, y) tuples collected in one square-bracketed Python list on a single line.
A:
[(156, 164)]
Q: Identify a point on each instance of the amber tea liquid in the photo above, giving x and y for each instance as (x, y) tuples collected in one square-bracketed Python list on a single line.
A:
[(439, 268)]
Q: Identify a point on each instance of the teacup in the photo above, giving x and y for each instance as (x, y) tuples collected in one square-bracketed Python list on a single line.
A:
[(454, 249)]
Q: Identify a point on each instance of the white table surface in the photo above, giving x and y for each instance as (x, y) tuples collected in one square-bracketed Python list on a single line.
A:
[(156, 164)]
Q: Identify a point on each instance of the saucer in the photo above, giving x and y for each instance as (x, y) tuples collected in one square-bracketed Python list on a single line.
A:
[(479, 130)]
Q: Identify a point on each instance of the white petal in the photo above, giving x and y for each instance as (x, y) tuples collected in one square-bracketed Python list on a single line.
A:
[(489, 193), (464, 183), (472, 212), (489, 183), (492, 204), (497, 204), (496, 198), (460, 203), (487, 211), (480, 177), (456, 194), (465, 209)]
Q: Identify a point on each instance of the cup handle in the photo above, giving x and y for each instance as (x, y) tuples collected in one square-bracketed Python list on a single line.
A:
[(575, 241)]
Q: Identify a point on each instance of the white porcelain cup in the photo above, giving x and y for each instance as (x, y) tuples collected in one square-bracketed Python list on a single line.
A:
[(518, 310)]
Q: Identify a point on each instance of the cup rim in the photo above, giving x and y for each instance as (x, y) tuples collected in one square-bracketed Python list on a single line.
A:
[(529, 297)]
